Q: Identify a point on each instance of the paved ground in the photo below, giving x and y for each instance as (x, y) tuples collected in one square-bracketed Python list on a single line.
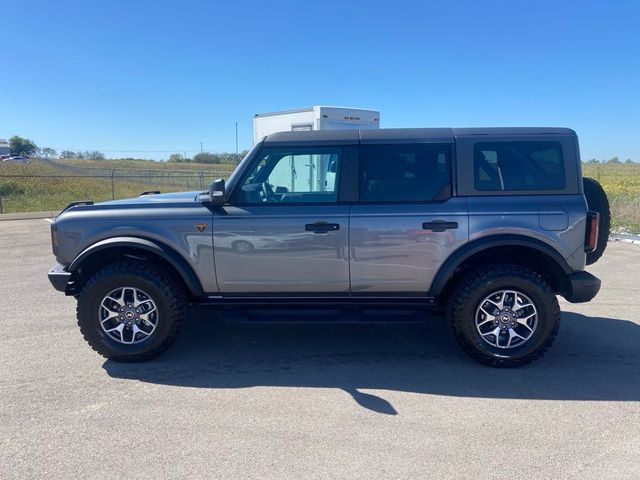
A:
[(237, 399)]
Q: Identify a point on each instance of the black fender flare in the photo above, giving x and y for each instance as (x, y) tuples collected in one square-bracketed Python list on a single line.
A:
[(181, 265), (463, 253)]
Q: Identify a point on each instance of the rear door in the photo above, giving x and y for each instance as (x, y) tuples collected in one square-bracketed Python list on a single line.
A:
[(407, 221), (284, 230)]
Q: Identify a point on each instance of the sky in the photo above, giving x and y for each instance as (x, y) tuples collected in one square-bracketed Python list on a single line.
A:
[(146, 79)]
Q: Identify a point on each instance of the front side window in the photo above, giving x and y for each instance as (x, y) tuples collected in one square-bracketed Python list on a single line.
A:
[(307, 175), (507, 166), (405, 173)]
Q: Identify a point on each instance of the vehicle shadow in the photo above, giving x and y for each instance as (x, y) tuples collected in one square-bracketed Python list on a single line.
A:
[(593, 358)]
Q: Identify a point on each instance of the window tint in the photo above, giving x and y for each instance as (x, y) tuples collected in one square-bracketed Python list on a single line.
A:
[(518, 166), (405, 173), (292, 176)]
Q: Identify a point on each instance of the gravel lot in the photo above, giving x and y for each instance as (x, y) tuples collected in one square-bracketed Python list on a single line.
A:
[(263, 399)]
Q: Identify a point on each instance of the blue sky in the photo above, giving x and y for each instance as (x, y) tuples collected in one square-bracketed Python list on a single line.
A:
[(150, 78)]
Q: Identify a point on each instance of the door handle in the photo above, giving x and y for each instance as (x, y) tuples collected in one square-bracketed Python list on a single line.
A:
[(439, 225), (322, 227)]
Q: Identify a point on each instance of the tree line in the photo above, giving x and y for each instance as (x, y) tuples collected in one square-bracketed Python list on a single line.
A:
[(27, 148), (610, 160), (207, 157)]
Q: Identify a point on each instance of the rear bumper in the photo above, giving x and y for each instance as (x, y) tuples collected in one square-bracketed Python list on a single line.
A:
[(582, 287), (59, 277)]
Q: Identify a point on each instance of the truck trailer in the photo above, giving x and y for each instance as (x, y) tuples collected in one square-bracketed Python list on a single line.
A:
[(314, 118)]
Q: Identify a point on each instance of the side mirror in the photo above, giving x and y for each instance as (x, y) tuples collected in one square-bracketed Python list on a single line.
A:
[(217, 192)]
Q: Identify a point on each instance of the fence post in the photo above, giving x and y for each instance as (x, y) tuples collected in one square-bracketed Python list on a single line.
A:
[(113, 188), (1, 207), (202, 180), (598, 174)]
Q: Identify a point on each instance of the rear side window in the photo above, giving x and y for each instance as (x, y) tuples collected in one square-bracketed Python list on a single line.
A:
[(505, 166), (405, 173)]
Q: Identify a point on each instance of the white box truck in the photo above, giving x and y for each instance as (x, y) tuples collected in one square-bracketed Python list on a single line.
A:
[(314, 118)]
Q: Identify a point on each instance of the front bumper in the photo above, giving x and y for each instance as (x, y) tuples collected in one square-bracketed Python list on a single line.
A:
[(582, 287), (59, 277)]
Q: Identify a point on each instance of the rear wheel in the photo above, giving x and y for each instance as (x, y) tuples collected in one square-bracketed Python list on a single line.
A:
[(504, 315), (598, 202), (131, 311)]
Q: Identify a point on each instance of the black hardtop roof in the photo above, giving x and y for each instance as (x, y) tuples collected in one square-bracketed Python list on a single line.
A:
[(409, 135)]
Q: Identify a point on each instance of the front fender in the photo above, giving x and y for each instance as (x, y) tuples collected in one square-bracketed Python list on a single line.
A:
[(181, 266)]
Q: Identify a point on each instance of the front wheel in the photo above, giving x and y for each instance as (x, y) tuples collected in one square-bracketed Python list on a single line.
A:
[(131, 311), (504, 315)]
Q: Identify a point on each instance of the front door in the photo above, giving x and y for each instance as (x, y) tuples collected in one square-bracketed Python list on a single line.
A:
[(407, 222), (283, 230)]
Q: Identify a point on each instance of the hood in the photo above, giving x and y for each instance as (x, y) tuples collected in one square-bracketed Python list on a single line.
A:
[(158, 198)]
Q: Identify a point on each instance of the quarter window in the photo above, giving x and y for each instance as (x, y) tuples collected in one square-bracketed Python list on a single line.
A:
[(505, 166), (405, 173)]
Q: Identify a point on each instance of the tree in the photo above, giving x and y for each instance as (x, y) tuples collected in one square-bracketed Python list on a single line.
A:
[(21, 146), (592, 160), (206, 157), (614, 160), (176, 158), (94, 155), (628, 160), (47, 152), (67, 154)]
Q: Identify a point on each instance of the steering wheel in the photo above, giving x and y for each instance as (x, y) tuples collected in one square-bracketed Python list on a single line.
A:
[(268, 193)]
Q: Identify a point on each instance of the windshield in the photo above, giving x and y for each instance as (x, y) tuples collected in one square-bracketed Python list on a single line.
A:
[(233, 178)]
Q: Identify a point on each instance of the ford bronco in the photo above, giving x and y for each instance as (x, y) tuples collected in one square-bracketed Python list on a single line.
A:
[(490, 224)]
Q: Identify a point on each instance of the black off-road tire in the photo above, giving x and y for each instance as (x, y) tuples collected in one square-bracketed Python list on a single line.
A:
[(169, 296), (597, 201), (477, 284)]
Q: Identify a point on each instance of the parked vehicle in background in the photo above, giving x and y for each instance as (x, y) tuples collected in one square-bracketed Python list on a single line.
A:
[(16, 158), (490, 223)]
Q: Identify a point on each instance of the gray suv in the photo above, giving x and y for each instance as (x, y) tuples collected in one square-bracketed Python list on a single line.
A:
[(488, 223)]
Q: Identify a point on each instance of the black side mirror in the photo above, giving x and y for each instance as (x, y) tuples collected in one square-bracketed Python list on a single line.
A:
[(217, 192)]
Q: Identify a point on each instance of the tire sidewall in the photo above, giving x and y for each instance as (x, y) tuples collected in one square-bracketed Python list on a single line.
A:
[(548, 318), (88, 313)]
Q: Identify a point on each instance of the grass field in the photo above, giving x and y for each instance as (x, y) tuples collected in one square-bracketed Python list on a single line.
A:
[(621, 181), (53, 187), (39, 186), (145, 164)]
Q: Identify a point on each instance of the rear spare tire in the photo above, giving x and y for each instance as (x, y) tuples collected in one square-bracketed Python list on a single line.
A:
[(597, 201)]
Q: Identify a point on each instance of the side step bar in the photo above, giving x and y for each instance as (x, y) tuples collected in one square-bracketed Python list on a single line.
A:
[(325, 302)]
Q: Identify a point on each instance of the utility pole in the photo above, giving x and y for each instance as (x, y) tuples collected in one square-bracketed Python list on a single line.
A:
[(200, 147), (236, 138)]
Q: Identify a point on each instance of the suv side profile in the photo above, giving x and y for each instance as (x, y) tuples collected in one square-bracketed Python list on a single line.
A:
[(490, 223)]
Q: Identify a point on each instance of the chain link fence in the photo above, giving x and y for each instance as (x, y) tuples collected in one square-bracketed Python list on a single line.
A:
[(49, 185), (33, 193)]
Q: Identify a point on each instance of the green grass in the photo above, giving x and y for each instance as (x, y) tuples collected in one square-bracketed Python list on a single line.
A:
[(52, 188), (45, 193), (146, 164)]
